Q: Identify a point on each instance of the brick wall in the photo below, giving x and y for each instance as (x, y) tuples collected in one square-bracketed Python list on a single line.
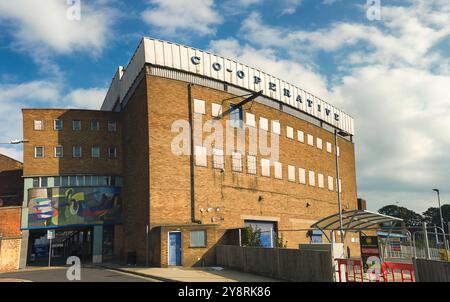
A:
[(11, 183), (10, 221)]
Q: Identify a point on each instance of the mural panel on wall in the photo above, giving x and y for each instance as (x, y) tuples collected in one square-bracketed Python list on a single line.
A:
[(52, 207)]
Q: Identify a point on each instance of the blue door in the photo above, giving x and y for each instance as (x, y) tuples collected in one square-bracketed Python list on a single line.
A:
[(174, 248)]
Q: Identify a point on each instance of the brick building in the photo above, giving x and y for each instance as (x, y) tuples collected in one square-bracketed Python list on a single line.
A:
[(115, 186), (11, 188)]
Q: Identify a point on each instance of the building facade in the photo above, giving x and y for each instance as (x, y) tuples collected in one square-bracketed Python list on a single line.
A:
[(11, 188), (131, 185)]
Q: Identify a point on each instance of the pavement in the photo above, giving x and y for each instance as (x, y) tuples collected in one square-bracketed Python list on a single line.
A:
[(184, 274), (58, 274)]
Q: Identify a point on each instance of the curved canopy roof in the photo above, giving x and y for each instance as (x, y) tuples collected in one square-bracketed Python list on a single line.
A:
[(355, 220)]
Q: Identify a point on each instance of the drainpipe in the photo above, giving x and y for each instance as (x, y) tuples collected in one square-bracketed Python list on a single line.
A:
[(192, 167)]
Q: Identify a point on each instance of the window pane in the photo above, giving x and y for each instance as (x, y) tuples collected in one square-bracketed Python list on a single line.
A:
[(95, 152), (39, 152), (112, 126), (95, 125), (218, 161), (76, 125), (77, 151), (58, 124), (103, 180), (198, 238), (65, 181), (57, 181), (44, 182), (72, 180), (237, 161), (35, 182), (112, 151), (58, 151), (95, 180), (80, 181), (251, 164), (88, 180), (236, 116), (38, 125)]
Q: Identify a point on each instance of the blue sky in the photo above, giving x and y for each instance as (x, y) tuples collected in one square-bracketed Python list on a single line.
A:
[(392, 75)]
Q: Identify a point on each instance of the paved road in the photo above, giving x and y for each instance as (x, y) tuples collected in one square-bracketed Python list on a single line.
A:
[(59, 275)]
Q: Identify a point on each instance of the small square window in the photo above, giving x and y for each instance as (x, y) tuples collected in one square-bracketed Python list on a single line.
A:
[(312, 178), (278, 170), (36, 182), (302, 176), (76, 125), (59, 151), (197, 238), (290, 132), (320, 180), (291, 173), (310, 140), (58, 125), (265, 167), (39, 152), (200, 156), (319, 143), (112, 126), (330, 183), (276, 127), (264, 124), (329, 147), (250, 119), (38, 125), (236, 161), (77, 151), (95, 125), (216, 110), (300, 136), (251, 164), (95, 152), (218, 160), (112, 152), (199, 106)]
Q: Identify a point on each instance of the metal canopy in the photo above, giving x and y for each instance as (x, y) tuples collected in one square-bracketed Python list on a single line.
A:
[(355, 220)]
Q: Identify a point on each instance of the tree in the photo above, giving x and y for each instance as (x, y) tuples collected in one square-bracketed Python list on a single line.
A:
[(252, 236), (411, 218), (432, 217)]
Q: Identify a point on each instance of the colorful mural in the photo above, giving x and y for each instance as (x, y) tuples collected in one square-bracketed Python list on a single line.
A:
[(52, 207)]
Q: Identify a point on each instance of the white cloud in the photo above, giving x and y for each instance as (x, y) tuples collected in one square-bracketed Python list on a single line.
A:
[(91, 98), (41, 29), (301, 75), (173, 17), (38, 94)]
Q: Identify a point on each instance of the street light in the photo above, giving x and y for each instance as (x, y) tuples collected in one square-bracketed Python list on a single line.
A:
[(343, 134), (442, 220)]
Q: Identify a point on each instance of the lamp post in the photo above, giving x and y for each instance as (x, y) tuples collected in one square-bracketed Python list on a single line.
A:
[(442, 220), (344, 134)]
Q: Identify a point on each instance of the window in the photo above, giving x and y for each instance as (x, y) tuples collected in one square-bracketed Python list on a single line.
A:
[(112, 152), (338, 151), (38, 125), (302, 176), (265, 167), (250, 119), (329, 147), (330, 183), (103, 180), (197, 238), (57, 181), (76, 152), (88, 180), (39, 152), (44, 182), (290, 132), (112, 126), (276, 127), (291, 173), (80, 181), (95, 152), (95, 125), (319, 143), (300, 136), (236, 116), (58, 124), (236, 161), (94, 180), (310, 140), (59, 151), (216, 110), (218, 162), (320, 180), (72, 180), (200, 156), (316, 237), (340, 185), (251, 164), (278, 170), (264, 124), (199, 106), (35, 182), (312, 178), (76, 125), (65, 181)]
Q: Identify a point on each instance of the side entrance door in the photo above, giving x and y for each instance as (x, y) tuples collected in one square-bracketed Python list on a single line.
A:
[(175, 248)]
